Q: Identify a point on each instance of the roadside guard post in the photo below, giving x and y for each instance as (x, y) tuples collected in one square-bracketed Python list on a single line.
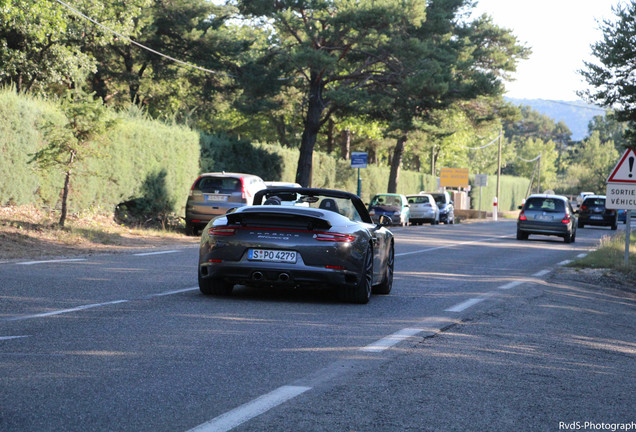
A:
[(494, 209), (359, 160), (621, 192)]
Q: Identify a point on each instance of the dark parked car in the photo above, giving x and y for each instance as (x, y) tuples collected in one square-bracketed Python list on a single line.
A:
[(547, 215), (394, 206), (446, 207), (592, 211), (328, 238), (213, 194)]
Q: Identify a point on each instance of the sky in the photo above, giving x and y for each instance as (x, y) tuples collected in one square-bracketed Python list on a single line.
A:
[(560, 33)]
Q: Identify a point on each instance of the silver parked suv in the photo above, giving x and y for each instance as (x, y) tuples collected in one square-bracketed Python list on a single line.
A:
[(213, 194), (547, 215)]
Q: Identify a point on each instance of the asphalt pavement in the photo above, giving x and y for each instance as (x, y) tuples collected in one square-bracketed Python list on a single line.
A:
[(558, 354)]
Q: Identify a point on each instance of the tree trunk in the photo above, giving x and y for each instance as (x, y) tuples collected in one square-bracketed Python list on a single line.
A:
[(65, 191), (396, 161), (331, 144), (312, 124), (345, 151)]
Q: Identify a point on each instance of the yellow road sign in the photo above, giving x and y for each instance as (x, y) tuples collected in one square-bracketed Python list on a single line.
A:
[(453, 177)]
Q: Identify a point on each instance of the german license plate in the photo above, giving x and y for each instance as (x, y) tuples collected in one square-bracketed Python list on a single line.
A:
[(209, 197), (596, 217), (546, 218), (271, 255)]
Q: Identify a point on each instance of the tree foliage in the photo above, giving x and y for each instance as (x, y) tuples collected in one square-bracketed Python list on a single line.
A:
[(87, 121), (613, 77)]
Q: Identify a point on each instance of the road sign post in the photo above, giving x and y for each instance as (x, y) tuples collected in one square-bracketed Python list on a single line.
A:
[(480, 180), (359, 160), (621, 192)]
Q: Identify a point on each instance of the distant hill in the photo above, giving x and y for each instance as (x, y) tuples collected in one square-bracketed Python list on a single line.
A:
[(576, 115)]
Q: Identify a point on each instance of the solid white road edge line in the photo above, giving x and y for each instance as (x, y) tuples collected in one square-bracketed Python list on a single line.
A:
[(51, 261), (156, 253), (451, 245), (63, 311), (465, 305), (244, 413)]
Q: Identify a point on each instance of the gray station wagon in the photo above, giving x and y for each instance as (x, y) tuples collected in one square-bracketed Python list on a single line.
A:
[(547, 215)]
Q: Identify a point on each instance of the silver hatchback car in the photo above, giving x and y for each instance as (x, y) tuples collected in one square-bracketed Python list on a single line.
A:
[(547, 215), (213, 194)]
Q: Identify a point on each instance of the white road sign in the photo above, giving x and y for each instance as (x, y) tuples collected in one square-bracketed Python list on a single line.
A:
[(621, 196)]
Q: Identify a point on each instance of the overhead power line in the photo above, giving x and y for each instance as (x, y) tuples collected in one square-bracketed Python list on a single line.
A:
[(75, 11)]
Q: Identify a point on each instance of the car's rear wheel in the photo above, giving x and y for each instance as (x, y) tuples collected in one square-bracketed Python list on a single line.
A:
[(522, 235), (361, 292), (387, 283), (615, 226), (581, 224), (569, 237), (214, 286), (190, 229)]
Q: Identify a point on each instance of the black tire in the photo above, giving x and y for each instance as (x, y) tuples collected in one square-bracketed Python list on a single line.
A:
[(568, 238), (614, 227), (361, 292), (522, 235), (212, 286), (190, 229), (581, 224), (387, 282)]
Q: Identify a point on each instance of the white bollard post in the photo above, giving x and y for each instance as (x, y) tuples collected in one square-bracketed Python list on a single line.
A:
[(494, 209)]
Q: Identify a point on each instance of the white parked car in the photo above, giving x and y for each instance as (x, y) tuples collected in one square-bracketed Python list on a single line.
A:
[(423, 209)]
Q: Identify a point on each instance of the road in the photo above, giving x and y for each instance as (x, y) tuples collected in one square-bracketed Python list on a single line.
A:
[(127, 342)]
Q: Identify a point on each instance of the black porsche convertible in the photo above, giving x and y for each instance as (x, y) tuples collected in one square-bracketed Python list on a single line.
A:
[(297, 237)]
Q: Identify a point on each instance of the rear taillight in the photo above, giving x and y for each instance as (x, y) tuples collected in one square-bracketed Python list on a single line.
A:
[(193, 185), (566, 219), (583, 207), (371, 212), (222, 231), (335, 267), (335, 237), (244, 191), (522, 216)]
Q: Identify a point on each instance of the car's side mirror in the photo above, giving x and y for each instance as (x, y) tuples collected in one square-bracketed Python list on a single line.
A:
[(385, 221), (520, 207)]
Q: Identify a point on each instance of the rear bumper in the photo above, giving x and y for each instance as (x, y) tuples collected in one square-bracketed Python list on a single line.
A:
[(532, 228), (276, 274), (605, 221)]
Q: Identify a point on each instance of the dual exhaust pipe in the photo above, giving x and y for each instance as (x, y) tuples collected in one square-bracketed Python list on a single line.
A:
[(258, 276)]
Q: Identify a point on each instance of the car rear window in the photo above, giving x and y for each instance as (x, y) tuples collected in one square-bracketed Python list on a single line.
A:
[(594, 202), (419, 200), (545, 204), (386, 200), (221, 185)]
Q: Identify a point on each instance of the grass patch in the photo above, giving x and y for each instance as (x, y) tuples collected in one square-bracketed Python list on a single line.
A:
[(611, 255)]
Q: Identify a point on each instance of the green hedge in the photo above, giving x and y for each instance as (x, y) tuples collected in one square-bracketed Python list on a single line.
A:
[(512, 190), (21, 120), (158, 162), (141, 157)]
